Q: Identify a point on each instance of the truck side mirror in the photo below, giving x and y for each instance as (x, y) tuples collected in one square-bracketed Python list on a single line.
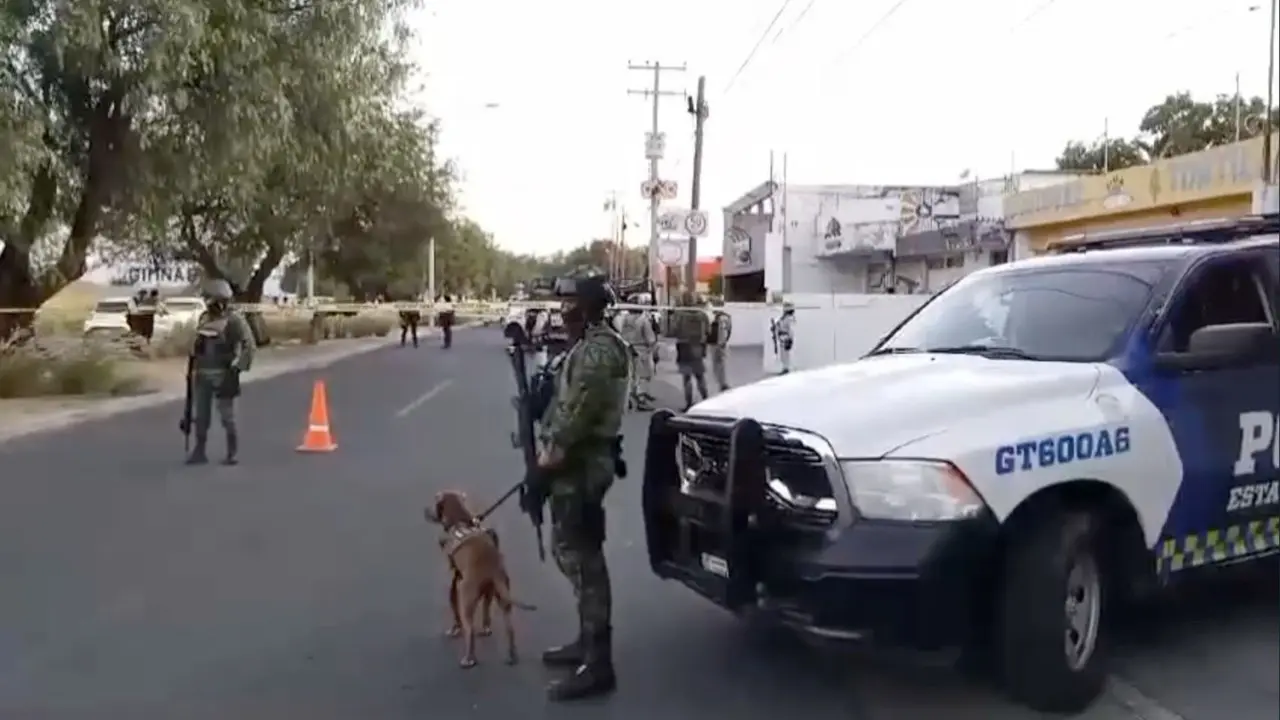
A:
[(1217, 346)]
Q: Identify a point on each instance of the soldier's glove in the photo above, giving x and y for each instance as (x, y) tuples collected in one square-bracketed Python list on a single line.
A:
[(184, 426)]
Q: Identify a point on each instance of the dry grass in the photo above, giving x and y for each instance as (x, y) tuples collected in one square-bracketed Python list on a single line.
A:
[(60, 361)]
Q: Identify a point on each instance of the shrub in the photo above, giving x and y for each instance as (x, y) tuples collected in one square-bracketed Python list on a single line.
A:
[(58, 321), (62, 368)]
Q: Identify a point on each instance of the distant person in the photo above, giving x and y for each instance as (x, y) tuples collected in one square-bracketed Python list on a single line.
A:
[(783, 330), (691, 327), (446, 318), (409, 320), (718, 344)]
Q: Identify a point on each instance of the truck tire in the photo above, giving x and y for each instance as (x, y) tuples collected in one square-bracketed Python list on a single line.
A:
[(1052, 639)]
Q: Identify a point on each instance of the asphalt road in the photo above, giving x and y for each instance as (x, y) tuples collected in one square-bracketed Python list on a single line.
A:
[(309, 586)]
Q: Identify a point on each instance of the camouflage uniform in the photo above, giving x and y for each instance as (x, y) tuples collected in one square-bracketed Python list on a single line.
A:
[(637, 330), (691, 327), (583, 422), (223, 349), (719, 350)]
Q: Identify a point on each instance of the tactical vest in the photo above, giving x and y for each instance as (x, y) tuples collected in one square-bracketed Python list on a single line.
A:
[(216, 342)]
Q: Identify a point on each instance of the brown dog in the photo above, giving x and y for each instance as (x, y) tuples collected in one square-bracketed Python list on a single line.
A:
[(479, 573)]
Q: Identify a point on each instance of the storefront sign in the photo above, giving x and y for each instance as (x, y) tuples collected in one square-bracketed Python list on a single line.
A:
[(1211, 174)]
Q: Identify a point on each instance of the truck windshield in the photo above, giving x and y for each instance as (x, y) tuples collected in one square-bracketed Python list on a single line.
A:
[(1072, 314)]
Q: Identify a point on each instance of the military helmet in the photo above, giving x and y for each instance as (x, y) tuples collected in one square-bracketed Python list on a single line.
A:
[(593, 289), (217, 289)]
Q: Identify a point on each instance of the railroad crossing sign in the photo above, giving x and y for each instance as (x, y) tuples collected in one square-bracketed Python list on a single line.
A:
[(663, 189), (692, 223)]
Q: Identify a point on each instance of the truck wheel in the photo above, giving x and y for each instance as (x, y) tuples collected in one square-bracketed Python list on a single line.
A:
[(1052, 640)]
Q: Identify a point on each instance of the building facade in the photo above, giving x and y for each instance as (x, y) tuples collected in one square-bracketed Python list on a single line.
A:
[(867, 238), (1215, 183)]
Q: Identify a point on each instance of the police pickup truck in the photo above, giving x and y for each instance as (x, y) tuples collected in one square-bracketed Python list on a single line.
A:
[(1038, 443)]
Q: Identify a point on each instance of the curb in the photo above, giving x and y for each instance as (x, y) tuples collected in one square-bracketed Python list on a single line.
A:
[(63, 419)]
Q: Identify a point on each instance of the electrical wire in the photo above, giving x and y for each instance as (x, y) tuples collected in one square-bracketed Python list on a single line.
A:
[(875, 27), (756, 48), (1031, 16), (790, 26)]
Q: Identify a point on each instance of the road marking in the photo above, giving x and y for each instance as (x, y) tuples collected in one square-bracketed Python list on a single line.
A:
[(423, 399), (1137, 702)]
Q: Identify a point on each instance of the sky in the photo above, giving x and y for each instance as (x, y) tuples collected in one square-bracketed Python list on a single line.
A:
[(849, 92)]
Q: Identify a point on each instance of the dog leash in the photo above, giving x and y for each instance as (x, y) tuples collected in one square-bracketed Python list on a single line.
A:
[(498, 503)]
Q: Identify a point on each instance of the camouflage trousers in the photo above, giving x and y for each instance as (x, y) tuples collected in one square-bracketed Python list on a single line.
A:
[(577, 540), (204, 400), (718, 355)]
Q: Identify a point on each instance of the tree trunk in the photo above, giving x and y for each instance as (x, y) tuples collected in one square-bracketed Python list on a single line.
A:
[(19, 289)]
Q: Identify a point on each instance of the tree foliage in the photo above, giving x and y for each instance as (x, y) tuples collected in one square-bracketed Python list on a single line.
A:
[(241, 135), (1176, 126)]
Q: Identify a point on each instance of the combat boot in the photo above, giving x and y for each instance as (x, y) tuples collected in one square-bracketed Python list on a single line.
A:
[(198, 455), (571, 655), (593, 678), (233, 449)]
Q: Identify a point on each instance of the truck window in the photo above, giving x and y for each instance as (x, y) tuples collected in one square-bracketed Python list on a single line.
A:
[(1226, 291), (1066, 313)]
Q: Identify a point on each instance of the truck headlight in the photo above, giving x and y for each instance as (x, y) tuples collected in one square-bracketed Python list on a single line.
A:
[(910, 490)]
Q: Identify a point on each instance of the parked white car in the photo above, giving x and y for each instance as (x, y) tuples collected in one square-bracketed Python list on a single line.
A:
[(110, 315)]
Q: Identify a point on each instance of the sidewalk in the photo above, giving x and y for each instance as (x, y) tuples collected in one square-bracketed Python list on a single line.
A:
[(165, 381)]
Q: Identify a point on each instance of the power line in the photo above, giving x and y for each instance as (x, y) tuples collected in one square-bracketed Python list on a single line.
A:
[(790, 26), (756, 48), (875, 27), (1031, 15)]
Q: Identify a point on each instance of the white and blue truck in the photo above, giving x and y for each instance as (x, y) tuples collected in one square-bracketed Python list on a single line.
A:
[(1037, 445)]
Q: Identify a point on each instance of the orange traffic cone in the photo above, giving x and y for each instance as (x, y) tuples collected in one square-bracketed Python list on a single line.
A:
[(318, 437)]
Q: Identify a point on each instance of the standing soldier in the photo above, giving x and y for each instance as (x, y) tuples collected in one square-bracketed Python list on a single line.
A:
[(445, 318), (690, 329), (223, 349), (637, 330), (784, 336), (579, 460), (409, 320), (721, 327)]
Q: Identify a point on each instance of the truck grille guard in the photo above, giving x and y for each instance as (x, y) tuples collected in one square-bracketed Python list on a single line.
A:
[(716, 491)]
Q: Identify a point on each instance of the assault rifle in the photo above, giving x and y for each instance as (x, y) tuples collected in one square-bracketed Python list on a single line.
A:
[(185, 424), (533, 494)]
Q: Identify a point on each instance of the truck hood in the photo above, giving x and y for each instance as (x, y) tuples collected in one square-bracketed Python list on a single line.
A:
[(871, 407)]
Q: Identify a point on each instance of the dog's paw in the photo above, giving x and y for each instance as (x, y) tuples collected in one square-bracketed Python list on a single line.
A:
[(467, 663), (485, 631), (453, 632)]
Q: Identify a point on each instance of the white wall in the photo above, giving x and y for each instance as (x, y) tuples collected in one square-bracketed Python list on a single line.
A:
[(838, 328)]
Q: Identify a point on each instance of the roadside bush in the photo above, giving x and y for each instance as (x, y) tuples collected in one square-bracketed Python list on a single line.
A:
[(50, 321), (62, 368)]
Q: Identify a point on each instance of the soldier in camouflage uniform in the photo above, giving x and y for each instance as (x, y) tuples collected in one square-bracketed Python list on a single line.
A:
[(690, 327), (223, 349), (579, 457)]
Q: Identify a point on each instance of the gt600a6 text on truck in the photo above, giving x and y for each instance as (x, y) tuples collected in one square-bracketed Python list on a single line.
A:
[(1036, 444)]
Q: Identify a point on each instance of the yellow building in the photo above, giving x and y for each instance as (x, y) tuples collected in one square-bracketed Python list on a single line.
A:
[(1214, 183)]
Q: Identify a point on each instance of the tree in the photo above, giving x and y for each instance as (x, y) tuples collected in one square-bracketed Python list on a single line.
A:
[(78, 84), (1176, 126), (1097, 157)]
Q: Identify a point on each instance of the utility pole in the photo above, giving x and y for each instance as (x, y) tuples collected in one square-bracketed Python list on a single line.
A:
[(1271, 84), (655, 147), (697, 108), (431, 270)]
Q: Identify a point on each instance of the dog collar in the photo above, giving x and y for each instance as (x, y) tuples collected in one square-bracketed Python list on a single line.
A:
[(457, 536)]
